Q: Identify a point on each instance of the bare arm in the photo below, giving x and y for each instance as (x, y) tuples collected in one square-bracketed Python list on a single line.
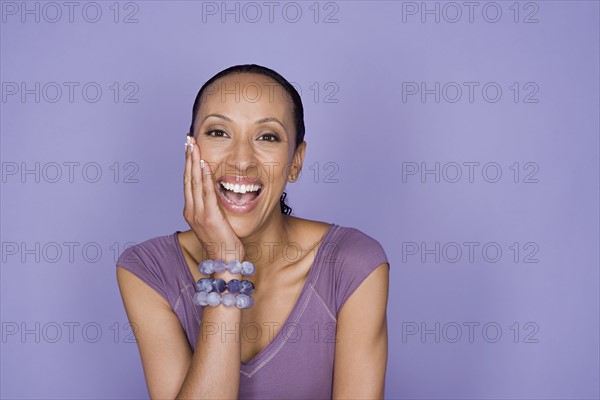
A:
[(170, 368), (362, 340), (214, 372)]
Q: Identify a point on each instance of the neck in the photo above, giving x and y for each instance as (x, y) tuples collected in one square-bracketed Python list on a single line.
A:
[(265, 246)]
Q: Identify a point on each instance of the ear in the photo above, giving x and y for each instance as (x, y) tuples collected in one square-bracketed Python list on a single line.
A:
[(297, 162)]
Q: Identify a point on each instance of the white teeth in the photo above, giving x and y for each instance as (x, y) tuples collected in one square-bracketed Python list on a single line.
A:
[(237, 188)]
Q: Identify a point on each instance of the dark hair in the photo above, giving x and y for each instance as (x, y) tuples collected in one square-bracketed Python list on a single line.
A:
[(298, 110)]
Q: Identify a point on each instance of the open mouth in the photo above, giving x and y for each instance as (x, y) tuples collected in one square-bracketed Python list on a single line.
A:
[(240, 194)]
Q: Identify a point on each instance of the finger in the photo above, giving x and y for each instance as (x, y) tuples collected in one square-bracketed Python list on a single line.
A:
[(208, 188), (187, 181), (196, 179)]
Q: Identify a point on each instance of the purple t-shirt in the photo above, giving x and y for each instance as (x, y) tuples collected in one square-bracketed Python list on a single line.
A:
[(298, 362)]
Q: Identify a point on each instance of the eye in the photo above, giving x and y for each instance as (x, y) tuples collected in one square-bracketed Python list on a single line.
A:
[(270, 137), (215, 133)]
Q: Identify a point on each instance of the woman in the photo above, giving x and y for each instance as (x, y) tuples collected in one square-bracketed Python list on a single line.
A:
[(315, 324)]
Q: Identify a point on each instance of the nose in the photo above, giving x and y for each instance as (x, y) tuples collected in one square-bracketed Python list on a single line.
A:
[(240, 158)]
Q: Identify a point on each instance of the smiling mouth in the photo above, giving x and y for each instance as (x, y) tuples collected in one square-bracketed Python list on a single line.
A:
[(240, 194)]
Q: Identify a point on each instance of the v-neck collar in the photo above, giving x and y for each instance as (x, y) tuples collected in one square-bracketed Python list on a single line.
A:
[(278, 341)]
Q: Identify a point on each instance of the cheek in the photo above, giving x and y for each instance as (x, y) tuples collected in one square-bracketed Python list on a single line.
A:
[(210, 147), (212, 152), (274, 166)]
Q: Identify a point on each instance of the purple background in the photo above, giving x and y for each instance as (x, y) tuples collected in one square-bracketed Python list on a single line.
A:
[(369, 135)]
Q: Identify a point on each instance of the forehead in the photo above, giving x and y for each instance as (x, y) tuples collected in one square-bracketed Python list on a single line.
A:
[(247, 95)]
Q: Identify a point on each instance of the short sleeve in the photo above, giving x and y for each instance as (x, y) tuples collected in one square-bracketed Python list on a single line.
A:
[(358, 254), (134, 261)]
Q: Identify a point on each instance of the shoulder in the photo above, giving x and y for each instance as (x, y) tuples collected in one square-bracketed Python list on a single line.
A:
[(306, 230), (341, 242), (150, 260), (149, 251), (352, 244), (352, 256)]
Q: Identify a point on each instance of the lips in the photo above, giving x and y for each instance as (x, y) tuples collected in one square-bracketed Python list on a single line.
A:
[(239, 194)]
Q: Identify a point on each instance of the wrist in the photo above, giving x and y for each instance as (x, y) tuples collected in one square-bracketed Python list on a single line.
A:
[(233, 257), (226, 252)]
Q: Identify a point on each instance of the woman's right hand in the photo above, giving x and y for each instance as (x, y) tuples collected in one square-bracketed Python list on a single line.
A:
[(201, 210)]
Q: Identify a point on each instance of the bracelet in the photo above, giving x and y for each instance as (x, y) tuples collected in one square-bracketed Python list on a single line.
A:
[(209, 293), (218, 285), (207, 267), (227, 299)]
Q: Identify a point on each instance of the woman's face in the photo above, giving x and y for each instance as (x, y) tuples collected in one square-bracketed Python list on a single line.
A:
[(245, 130)]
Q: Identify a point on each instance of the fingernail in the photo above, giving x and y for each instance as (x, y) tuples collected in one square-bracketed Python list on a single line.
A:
[(202, 164)]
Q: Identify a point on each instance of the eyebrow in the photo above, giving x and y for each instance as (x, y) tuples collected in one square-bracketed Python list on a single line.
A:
[(260, 121)]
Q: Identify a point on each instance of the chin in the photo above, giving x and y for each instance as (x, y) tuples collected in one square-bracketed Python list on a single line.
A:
[(243, 225), (241, 229)]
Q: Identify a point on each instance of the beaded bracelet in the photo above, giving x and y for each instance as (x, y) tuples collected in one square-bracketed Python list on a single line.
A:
[(209, 292), (218, 285), (207, 267), (227, 299)]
